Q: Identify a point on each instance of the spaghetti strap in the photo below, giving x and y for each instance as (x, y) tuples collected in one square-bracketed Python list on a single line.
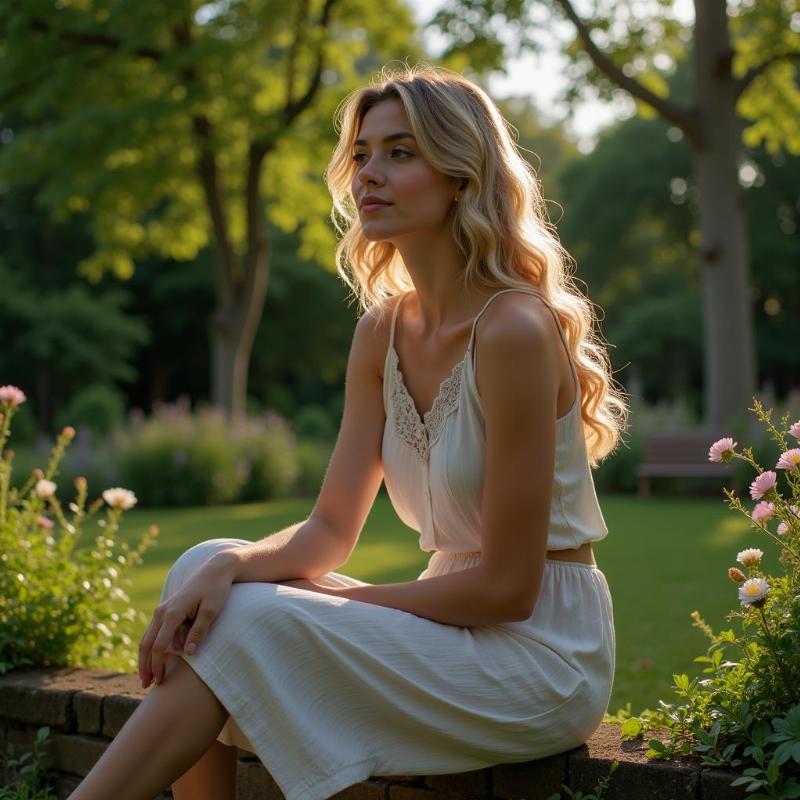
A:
[(471, 351)]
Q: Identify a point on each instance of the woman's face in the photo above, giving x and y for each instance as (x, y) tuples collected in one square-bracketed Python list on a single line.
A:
[(416, 196)]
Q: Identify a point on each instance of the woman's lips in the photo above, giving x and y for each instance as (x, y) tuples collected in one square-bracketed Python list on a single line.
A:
[(374, 206)]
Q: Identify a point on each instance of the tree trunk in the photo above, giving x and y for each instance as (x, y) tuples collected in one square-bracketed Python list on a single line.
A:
[(729, 341), (233, 328)]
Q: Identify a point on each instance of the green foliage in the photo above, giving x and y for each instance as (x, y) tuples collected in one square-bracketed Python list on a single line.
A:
[(177, 458), (98, 407), (596, 794), (313, 456), (268, 445), (60, 604), (745, 712), (69, 336), (29, 772), (144, 92), (316, 422)]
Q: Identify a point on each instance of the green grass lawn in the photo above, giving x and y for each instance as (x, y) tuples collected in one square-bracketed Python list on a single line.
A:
[(663, 558)]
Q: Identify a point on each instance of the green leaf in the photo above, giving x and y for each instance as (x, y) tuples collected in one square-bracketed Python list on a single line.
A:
[(631, 728), (773, 770), (791, 789), (760, 733)]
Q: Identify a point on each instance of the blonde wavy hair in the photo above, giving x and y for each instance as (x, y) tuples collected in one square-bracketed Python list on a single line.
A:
[(500, 224)]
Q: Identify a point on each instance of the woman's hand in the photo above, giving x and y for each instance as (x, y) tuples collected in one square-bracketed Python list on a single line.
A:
[(184, 618)]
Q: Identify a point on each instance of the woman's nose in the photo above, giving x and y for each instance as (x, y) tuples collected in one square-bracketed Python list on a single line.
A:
[(368, 173)]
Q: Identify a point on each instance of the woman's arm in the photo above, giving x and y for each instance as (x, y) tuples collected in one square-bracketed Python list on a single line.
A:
[(303, 549), (464, 598)]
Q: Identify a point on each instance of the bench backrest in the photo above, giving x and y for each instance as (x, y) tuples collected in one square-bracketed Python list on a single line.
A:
[(680, 447)]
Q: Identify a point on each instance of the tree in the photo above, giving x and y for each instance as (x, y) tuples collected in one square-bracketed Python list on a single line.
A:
[(743, 60), (184, 124)]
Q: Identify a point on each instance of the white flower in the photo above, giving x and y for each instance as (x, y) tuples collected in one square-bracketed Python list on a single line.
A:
[(751, 557), (44, 488), (753, 591), (120, 498)]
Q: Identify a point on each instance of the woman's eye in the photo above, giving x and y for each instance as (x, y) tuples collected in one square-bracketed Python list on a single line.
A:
[(357, 156)]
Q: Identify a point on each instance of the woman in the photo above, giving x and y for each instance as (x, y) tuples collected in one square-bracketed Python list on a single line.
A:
[(476, 390)]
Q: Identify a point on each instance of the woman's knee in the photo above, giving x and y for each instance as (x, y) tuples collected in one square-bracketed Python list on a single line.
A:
[(192, 559)]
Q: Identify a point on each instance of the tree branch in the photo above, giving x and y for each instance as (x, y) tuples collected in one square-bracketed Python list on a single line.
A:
[(210, 178), (752, 74), (87, 39), (684, 118), (294, 107)]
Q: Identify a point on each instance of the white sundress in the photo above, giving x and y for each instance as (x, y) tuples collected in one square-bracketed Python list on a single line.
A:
[(329, 691)]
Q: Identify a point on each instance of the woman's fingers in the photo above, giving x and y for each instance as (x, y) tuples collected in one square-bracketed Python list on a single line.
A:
[(145, 673), (162, 648), (198, 628)]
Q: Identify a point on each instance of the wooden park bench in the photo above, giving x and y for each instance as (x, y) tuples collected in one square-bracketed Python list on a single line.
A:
[(680, 454)]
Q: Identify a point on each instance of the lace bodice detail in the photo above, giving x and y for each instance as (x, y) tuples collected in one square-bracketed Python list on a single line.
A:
[(421, 434)]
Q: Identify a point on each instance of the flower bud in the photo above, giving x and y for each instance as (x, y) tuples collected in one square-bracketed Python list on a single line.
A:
[(69, 432), (80, 482), (154, 530), (736, 575), (695, 615), (38, 474)]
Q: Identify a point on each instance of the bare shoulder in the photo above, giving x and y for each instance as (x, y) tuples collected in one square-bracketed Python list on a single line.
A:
[(516, 324), (371, 334)]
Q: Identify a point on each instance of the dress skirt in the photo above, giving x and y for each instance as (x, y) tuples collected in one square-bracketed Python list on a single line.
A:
[(329, 691)]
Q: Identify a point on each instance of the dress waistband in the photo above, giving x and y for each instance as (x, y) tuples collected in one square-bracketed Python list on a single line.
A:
[(583, 554)]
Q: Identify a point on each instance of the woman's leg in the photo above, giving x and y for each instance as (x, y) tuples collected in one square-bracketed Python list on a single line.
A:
[(171, 730), (213, 777)]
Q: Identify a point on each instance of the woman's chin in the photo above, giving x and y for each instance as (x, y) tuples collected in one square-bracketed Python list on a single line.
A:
[(374, 235)]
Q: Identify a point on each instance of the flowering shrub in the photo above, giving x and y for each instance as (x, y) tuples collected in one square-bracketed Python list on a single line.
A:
[(179, 458), (746, 712), (60, 605)]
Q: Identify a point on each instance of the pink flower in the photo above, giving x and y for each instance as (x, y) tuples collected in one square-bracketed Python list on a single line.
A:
[(762, 484), (789, 460), (794, 430), (11, 396), (721, 450), (763, 511), (45, 522), (783, 528)]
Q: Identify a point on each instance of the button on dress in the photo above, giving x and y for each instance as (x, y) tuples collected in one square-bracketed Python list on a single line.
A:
[(328, 691)]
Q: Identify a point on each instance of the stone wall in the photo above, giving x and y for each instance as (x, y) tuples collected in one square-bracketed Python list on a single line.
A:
[(85, 708)]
